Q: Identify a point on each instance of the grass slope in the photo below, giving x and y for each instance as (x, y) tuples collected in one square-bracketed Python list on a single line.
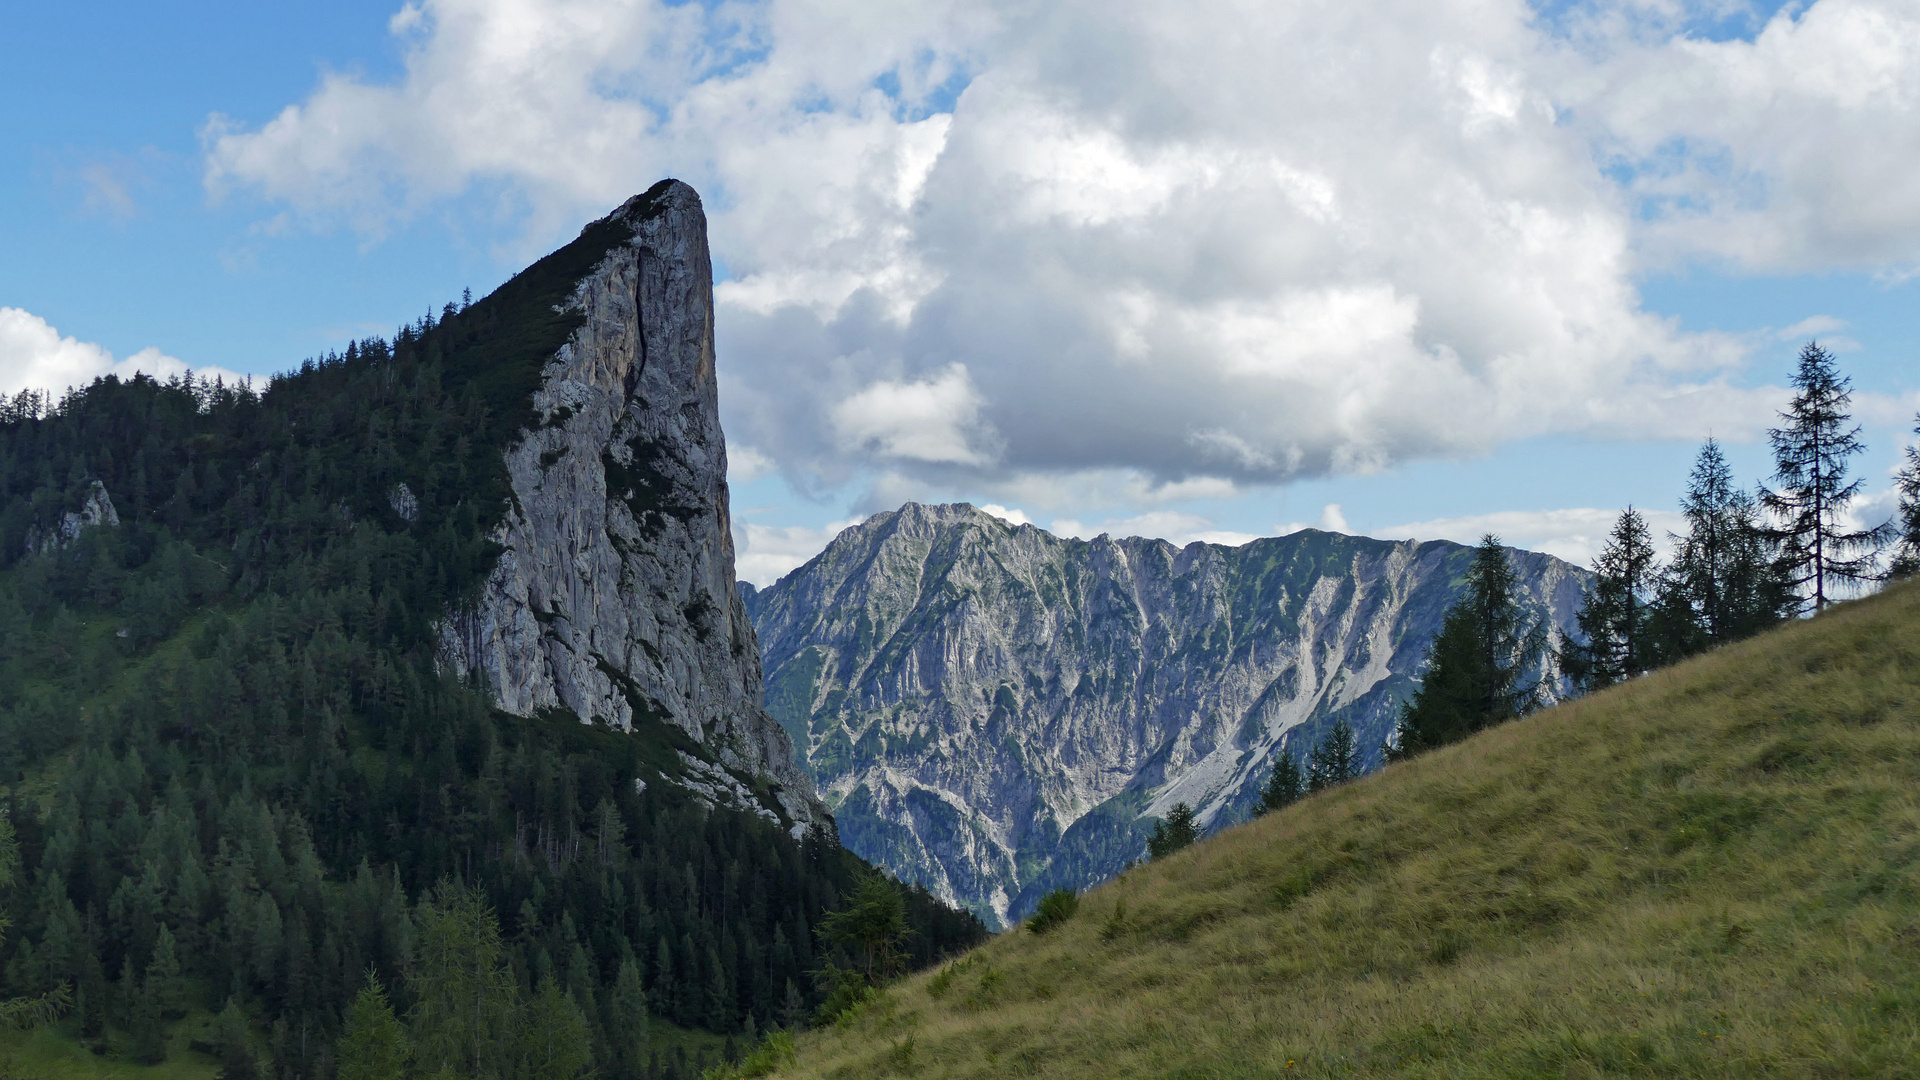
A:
[(1708, 872)]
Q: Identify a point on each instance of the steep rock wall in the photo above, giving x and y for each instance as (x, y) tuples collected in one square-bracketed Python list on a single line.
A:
[(614, 594), (996, 711)]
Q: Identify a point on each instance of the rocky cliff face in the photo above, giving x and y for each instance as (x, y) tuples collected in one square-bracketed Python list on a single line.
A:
[(996, 711), (614, 594)]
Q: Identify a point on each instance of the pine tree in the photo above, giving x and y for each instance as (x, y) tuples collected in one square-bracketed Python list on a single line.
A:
[(1482, 666), (1284, 784), (163, 975), (1617, 613), (1175, 832), (1724, 583), (373, 1044), (1335, 760), (233, 1036), (870, 928), (24, 1012), (557, 1040), (146, 1031), (627, 1020), (1906, 558), (1810, 465), (464, 994)]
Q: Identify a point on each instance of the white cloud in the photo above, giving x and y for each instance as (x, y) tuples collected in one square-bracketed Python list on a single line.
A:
[(34, 356), (1788, 152), (935, 420), (764, 553), (1011, 516), (1181, 245), (745, 464), (1178, 528), (1331, 520), (1576, 535)]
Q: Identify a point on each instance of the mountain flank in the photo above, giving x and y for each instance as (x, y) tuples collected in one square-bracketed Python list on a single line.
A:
[(996, 712), (1712, 870), (429, 649)]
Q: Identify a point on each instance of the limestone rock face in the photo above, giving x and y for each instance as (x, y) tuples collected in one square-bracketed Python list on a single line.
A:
[(996, 711), (614, 594), (95, 511)]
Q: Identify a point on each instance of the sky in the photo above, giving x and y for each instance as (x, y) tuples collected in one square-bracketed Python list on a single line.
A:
[(1211, 270)]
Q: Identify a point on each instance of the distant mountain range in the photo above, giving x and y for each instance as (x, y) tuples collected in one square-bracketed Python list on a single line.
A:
[(995, 711)]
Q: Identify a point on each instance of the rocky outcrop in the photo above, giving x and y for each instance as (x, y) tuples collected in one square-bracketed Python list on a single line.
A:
[(614, 593), (96, 509), (996, 711)]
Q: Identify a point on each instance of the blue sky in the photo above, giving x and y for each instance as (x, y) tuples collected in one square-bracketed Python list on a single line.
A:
[(1440, 270)]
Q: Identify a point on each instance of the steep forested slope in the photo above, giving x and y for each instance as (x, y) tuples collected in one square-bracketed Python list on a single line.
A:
[(224, 725), (1712, 870)]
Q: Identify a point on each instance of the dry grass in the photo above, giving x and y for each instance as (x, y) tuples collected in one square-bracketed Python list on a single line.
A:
[(1709, 872)]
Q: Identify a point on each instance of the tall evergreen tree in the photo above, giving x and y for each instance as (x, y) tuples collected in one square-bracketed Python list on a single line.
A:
[(23, 1012), (373, 1045), (464, 995), (1284, 785), (1906, 556), (1335, 760), (1177, 830), (1810, 466), (1724, 582), (870, 929), (557, 1042), (1616, 614), (1484, 665)]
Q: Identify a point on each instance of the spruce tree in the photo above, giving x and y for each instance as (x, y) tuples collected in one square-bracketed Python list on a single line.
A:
[(870, 929), (1482, 666), (1284, 784), (1616, 614), (557, 1042), (1335, 760), (1810, 464), (1724, 583), (233, 1036), (1176, 831), (163, 975), (373, 1044), (1906, 556), (627, 1020)]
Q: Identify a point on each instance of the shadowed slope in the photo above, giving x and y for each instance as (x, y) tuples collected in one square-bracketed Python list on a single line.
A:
[(1708, 872)]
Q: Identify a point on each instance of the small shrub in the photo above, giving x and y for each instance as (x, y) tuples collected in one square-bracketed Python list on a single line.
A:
[(1055, 908), (1116, 923), (773, 1053), (938, 986)]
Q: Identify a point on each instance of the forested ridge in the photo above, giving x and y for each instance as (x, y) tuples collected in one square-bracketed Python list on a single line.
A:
[(238, 778)]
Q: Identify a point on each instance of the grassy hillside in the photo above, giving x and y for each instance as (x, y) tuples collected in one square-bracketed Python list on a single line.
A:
[(1708, 872)]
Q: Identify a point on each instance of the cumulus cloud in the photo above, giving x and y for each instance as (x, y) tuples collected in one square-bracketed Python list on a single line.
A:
[(995, 246), (765, 553), (1576, 535), (34, 356)]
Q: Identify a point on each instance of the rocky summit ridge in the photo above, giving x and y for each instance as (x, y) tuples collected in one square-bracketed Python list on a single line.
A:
[(614, 596), (996, 711)]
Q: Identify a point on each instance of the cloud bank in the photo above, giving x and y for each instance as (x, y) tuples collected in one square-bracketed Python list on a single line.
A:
[(33, 356), (999, 246)]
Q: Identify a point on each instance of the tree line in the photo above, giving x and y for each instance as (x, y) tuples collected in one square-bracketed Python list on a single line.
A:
[(1746, 562)]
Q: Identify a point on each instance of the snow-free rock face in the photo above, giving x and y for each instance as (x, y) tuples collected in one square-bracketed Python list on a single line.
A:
[(614, 594), (95, 510), (996, 711)]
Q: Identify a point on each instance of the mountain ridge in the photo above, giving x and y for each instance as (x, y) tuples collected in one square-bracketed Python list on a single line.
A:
[(995, 711)]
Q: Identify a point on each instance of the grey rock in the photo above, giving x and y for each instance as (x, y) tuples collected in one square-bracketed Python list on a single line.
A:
[(995, 711), (614, 593), (95, 511)]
